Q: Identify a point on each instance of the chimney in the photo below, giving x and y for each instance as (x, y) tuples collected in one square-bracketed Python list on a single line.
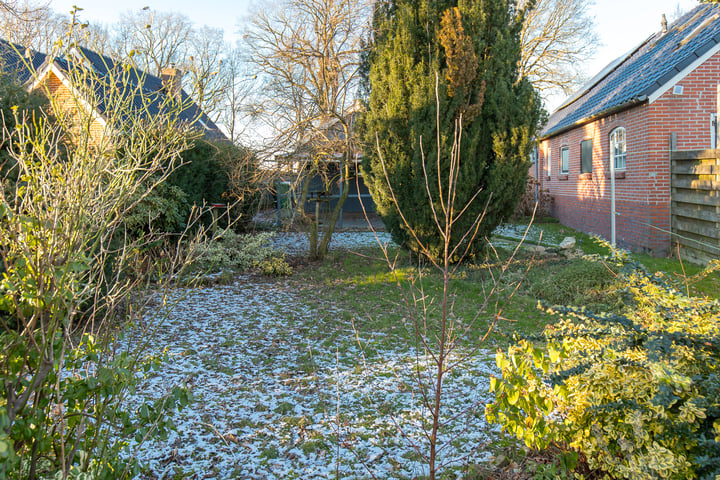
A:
[(172, 81), (663, 23)]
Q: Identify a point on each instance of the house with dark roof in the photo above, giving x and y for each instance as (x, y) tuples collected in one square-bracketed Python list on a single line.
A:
[(605, 154), (88, 85)]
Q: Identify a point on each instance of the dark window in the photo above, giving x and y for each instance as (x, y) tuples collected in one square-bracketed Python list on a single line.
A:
[(586, 156)]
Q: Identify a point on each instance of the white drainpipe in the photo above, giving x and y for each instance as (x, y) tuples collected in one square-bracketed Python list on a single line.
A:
[(612, 196)]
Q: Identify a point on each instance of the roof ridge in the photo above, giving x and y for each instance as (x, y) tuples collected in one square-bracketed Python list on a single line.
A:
[(645, 72)]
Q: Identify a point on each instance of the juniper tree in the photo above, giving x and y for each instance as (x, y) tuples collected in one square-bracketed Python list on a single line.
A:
[(474, 47)]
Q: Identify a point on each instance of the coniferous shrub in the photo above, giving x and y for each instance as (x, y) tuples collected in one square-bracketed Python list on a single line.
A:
[(201, 176), (638, 394), (473, 47), (220, 173)]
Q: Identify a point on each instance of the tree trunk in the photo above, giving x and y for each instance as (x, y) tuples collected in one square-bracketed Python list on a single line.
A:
[(335, 215)]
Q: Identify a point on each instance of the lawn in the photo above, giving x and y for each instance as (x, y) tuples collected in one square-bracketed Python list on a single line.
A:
[(291, 382), (316, 375)]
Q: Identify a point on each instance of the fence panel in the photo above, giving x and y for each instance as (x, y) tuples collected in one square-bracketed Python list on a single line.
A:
[(695, 183)]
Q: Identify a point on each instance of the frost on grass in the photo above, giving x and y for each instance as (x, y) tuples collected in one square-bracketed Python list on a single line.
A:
[(294, 243), (283, 393), (531, 236)]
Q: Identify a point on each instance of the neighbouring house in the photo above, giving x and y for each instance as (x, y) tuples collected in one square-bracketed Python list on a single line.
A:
[(325, 149), (85, 84), (605, 155)]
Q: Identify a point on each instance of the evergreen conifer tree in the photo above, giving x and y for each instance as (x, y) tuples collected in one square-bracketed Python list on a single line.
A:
[(473, 46)]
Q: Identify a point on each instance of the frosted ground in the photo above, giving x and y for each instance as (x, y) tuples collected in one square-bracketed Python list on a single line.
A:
[(284, 389)]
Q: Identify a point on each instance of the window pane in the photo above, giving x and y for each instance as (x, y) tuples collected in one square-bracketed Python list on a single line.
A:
[(586, 156), (618, 153), (565, 160)]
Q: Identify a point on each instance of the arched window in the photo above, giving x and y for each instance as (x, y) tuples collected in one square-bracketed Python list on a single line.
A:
[(618, 152)]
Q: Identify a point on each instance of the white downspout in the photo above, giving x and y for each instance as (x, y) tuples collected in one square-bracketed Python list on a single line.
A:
[(612, 194)]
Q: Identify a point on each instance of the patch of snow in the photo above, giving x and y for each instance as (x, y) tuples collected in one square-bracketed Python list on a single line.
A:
[(296, 243), (532, 235), (277, 398)]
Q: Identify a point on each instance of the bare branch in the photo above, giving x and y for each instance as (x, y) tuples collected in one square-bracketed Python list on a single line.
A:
[(557, 38)]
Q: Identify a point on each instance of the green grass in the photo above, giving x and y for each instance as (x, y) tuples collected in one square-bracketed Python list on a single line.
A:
[(358, 291), (370, 299), (686, 276)]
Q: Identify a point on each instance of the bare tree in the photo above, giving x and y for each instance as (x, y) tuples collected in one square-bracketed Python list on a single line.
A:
[(558, 37), (63, 376), (31, 24), (235, 94), (307, 52), (153, 40), (206, 52), (439, 330)]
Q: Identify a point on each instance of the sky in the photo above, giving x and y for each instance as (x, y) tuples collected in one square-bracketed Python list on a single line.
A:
[(620, 24)]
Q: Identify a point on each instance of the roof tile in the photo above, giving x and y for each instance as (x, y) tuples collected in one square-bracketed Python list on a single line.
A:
[(648, 68)]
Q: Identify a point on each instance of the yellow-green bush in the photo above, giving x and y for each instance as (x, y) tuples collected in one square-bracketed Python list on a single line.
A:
[(638, 394), (236, 252)]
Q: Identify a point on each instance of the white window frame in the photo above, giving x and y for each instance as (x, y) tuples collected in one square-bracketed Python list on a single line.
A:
[(617, 157), (564, 168)]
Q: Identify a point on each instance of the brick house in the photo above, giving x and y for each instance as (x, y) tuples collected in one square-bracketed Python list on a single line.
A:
[(604, 155), (84, 83)]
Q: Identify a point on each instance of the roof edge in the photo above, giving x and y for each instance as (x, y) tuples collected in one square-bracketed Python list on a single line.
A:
[(53, 67), (662, 89), (583, 121), (598, 77)]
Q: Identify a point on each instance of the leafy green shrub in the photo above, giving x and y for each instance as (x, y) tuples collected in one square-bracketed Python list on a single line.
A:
[(638, 394), (65, 293), (237, 252), (87, 410), (163, 210)]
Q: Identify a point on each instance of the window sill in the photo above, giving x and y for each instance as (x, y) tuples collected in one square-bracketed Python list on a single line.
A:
[(563, 176), (585, 176), (620, 174)]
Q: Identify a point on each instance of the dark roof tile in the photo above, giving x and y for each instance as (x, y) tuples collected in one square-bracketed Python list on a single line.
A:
[(650, 66), (144, 93), (19, 61)]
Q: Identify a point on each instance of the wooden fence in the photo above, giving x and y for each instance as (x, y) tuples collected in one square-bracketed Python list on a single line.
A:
[(695, 207)]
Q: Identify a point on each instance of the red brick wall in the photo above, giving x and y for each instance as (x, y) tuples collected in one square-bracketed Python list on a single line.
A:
[(72, 111), (643, 194)]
